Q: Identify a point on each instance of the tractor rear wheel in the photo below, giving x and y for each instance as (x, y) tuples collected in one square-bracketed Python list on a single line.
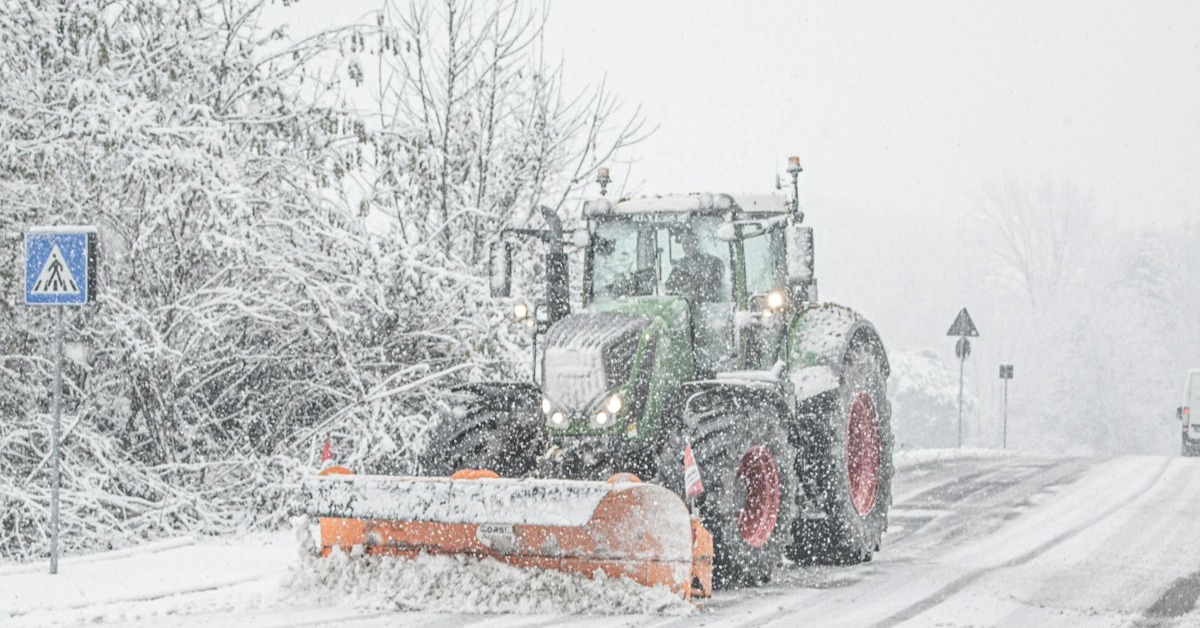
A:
[(847, 445), (492, 427), (747, 467)]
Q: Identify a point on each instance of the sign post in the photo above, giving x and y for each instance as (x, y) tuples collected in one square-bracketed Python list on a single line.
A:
[(60, 270), (962, 327), (1006, 372)]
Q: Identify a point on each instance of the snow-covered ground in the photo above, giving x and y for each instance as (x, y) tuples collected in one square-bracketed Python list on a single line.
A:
[(977, 538)]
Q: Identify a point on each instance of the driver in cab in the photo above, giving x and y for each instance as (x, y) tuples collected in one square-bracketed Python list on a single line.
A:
[(697, 275)]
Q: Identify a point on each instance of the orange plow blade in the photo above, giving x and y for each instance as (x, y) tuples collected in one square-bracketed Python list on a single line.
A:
[(634, 530)]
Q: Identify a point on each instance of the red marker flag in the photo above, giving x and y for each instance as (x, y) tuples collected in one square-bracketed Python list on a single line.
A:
[(691, 474), (326, 455)]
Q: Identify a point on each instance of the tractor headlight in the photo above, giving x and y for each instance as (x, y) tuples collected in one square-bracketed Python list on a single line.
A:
[(602, 418), (520, 311), (615, 403), (770, 303), (558, 420), (545, 406)]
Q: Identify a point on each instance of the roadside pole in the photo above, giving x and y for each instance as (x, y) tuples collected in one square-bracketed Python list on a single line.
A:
[(56, 431), (60, 270), (962, 327), (1006, 373), (962, 349)]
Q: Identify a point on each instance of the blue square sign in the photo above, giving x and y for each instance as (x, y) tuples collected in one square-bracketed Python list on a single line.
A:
[(60, 265)]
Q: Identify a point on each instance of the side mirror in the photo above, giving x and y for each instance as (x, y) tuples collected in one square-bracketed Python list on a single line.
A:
[(800, 254), (500, 269), (1179, 413), (801, 260)]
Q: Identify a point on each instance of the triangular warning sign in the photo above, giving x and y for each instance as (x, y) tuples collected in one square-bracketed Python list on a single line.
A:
[(963, 325), (56, 277)]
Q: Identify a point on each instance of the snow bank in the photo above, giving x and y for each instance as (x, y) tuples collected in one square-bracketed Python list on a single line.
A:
[(507, 501), (466, 585), (149, 584), (907, 458)]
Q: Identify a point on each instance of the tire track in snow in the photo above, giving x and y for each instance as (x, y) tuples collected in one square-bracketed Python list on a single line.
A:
[(975, 505), (70, 561), (147, 597), (1178, 600), (1110, 574), (971, 491), (962, 582)]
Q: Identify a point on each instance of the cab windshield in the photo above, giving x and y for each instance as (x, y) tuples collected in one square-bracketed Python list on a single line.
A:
[(675, 256)]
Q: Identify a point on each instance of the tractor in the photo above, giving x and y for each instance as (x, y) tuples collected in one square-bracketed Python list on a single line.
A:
[(698, 328)]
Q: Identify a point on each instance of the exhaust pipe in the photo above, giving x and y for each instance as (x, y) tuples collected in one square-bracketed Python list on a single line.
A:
[(558, 280)]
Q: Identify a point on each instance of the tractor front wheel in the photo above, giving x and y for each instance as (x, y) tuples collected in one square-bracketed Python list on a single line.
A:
[(747, 467), (494, 428)]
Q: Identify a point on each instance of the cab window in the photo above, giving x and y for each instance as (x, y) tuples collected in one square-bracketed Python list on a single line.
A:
[(672, 257), (764, 262)]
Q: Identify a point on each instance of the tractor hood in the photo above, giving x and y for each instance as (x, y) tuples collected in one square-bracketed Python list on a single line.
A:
[(588, 354), (612, 348)]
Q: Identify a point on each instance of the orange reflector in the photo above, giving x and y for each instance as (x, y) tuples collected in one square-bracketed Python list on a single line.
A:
[(623, 477), (474, 474)]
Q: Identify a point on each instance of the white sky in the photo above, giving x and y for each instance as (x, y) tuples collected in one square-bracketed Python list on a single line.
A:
[(907, 106), (899, 111)]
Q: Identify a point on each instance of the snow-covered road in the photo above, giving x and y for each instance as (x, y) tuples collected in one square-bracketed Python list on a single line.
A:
[(977, 539)]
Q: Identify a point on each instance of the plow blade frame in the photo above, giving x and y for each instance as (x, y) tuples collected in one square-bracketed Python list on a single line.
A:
[(633, 530)]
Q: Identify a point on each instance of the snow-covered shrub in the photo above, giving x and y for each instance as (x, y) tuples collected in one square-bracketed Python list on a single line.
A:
[(227, 281), (924, 395), (251, 302)]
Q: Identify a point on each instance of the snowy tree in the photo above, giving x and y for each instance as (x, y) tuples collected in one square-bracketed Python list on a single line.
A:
[(924, 395), (1099, 323), (1039, 233), (227, 278), (245, 309), (466, 131)]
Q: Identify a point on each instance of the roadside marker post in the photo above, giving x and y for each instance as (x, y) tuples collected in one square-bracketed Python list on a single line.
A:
[(60, 270), (1006, 373), (962, 327)]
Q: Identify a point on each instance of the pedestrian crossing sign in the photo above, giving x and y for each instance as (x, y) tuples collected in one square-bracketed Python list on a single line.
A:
[(60, 265)]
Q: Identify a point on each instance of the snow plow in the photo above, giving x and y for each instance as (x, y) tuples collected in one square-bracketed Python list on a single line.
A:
[(698, 341), (622, 528)]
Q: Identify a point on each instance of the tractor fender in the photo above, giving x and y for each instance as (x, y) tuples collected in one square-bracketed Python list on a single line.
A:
[(702, 397), (819, 340)]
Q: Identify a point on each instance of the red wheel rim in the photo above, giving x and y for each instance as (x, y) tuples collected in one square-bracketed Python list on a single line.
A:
[(756, 520), (862, 453)]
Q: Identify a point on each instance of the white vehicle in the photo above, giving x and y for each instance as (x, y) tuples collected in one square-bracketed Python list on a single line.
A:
[(1190, 445)]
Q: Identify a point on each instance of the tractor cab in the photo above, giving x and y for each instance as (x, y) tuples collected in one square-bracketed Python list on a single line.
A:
[(675, 289), (673, 255), (704, 247), (718, 253)]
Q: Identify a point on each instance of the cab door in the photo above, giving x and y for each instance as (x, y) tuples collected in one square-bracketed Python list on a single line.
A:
[(761, 269), (763, 266)]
